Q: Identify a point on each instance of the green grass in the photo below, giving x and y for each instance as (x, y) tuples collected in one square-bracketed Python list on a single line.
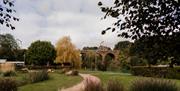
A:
[(56, 81), (62, 81), (125, 78)]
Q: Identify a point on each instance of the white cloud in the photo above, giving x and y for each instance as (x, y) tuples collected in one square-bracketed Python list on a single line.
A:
[(52, 19)]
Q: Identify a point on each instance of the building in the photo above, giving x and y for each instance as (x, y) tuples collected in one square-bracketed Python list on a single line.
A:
[(9, 65)]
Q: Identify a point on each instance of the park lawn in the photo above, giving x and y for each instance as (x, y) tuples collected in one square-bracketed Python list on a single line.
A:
[(62, 81), (125, 78), (56, 81)]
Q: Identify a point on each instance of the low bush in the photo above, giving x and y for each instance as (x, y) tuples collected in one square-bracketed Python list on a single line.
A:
[(64, 70), (114, 85), (162, 72), (114, 66), (153, 85), (38, 76), (136, 61), (72, 73), (7, 84), (125, 66), (90, 85), (9, 73), (35, 67), (75, 73), (101, 66), (173, 73)]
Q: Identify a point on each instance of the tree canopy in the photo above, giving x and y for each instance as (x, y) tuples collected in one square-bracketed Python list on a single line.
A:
[(90, 48), (143, 49), (155, 24), (140, 18), (88, 58), (160, 50), (7, 13), (40, 53), (122, 45), (8, 47), (67, 52), (20, 54)]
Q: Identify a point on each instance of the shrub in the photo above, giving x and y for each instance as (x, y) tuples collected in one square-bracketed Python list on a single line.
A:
[(90, 85), (124, 64), (75, 73), (72, 73), (163, 72), (153, 85), (8, 84), (101, 66), (114, 85), (64, 70), (136, 61), (9, 73), (34, 77), (173, 73), (114, 66)]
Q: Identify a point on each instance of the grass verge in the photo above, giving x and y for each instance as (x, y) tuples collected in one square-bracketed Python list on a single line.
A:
[(125, 78), (56, 81)]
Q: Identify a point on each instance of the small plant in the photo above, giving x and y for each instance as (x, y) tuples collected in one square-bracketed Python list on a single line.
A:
[(90, 85), (34, 77), (8, 84), (153, 85), (9, 73), (114, 85)]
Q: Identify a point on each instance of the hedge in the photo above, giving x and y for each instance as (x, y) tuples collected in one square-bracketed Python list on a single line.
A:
[(152, 84), (159, 72), (45, 67), (8, 84)]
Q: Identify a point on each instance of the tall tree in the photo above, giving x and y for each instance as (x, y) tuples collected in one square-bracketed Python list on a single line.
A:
[(90, 48), (67, 52), (88, 58), (142, 48), (122, 45), (153, 22), (20, 54), (8, 46), (40, 53), (6, 13), (141, 18)]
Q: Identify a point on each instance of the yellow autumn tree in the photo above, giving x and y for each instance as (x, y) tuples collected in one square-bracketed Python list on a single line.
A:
[(67, 53)]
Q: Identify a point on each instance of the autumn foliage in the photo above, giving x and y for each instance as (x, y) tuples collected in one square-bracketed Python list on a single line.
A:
[(67, 52)]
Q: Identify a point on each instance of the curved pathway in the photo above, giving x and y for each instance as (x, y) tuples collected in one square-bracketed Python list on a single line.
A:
[(81, 85)]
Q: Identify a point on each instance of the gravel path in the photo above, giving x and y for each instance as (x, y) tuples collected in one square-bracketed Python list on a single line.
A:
[(80, 86)]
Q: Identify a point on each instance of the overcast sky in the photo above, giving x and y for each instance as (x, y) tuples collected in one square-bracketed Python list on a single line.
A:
[(52, 19)]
